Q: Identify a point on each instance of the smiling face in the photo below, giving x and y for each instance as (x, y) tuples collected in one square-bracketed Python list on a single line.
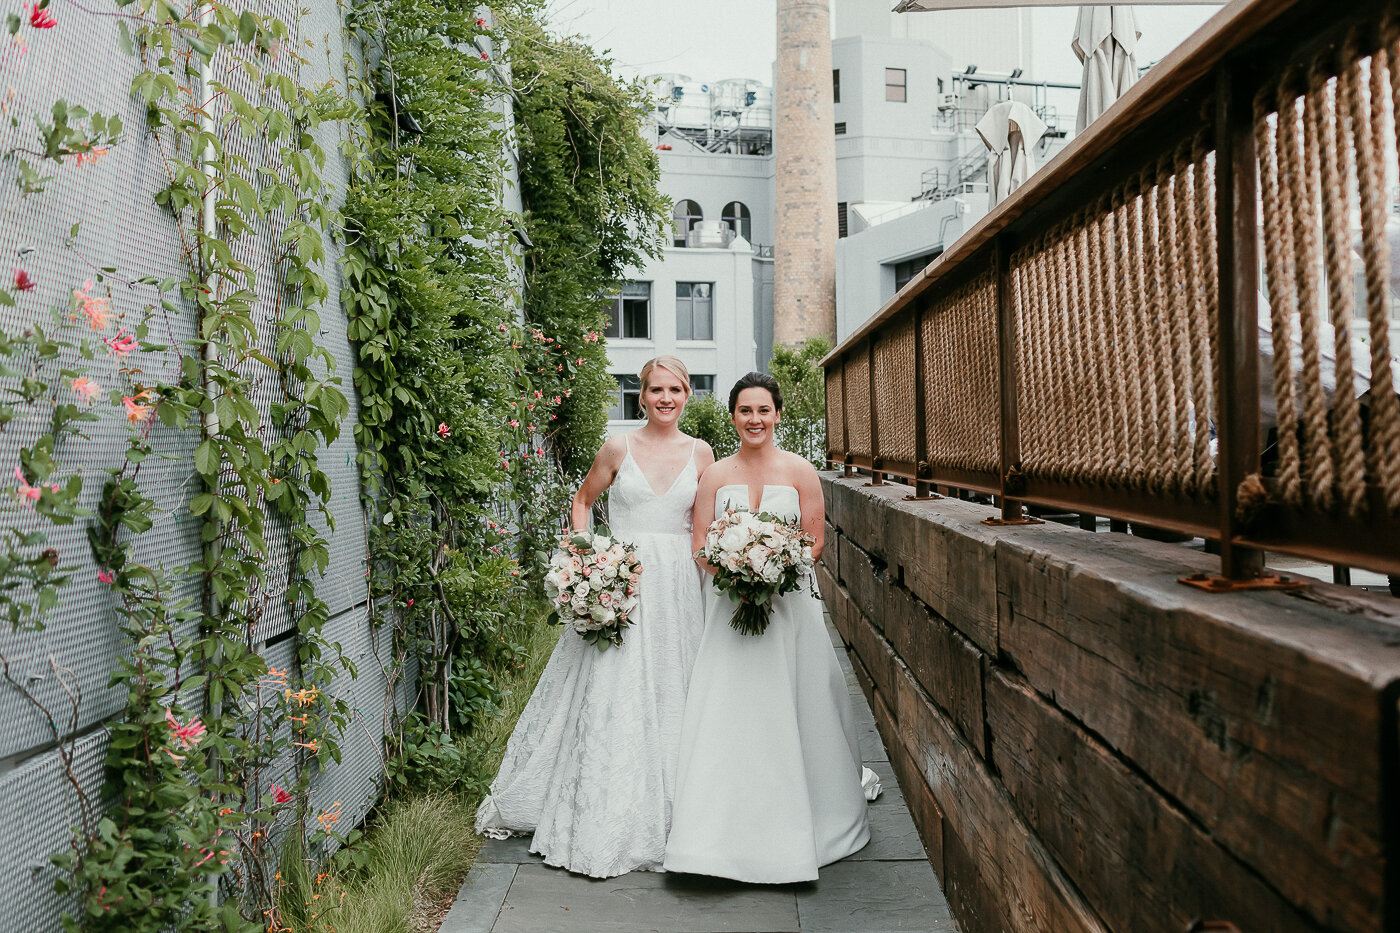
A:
[(755, 416), (664, 396)]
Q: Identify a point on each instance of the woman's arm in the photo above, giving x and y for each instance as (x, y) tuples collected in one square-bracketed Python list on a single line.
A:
[(600, 477), (704, 514), (809, 500)]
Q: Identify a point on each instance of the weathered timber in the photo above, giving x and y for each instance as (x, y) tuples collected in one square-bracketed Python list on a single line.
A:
[(947, 558), (875, 653), (863, 578), (1259, 712), (943, 661), (1135, 856), (991, 858)]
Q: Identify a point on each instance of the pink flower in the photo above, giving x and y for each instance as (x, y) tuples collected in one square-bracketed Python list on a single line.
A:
[(40, 18), (23, 282), (502, 328), (95, 310), (106, 576), (539, 393), (557, 400), (514, 423), (481, 23), (27, 494), (86, 389), (579, 361), (92, 155), (122, 345), (443, 430), (136, 409), (485, 57), (408, 604), (505, 464), (188, 735), (279, 794)]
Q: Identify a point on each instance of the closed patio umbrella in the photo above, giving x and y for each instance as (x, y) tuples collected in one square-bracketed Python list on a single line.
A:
[(1010, 131), (1105, 39)]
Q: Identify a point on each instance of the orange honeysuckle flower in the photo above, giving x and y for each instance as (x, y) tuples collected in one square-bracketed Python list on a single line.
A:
[(186, 736), (39, 17), (122, 345), (96, 310), (137, 410), (86, 389)]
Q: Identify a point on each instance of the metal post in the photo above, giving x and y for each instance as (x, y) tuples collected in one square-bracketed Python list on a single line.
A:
[(923, 489), (1237, 383), (1010, 445)]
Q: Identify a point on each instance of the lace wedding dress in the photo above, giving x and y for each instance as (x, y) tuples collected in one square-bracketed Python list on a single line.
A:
[(770, 780), (591, 765)]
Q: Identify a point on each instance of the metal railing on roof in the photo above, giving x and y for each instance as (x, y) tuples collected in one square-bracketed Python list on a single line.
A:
[(1095, 342)]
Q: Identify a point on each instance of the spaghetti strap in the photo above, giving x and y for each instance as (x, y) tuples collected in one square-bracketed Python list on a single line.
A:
[(627, 440), (693, 444)]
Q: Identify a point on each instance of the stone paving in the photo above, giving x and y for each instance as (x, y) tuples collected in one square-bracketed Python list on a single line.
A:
[(887, 887)]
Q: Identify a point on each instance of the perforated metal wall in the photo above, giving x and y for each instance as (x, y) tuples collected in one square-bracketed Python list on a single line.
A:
[(81, 61)]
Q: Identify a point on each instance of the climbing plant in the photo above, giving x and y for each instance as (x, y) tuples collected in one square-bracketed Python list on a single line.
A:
[(588, 178)]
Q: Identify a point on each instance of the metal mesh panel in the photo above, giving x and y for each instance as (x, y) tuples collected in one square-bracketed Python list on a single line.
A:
[(122, 227), (894, 391)]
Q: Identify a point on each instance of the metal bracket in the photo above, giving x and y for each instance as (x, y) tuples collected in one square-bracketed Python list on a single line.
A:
[(1214, 583), (1013, 521)]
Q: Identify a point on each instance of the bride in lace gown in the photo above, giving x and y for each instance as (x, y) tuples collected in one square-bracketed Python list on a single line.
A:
[(591, 765), (770, 785)]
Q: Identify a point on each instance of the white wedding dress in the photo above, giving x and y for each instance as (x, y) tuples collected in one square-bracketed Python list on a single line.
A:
[(770, 780), (591, 765)]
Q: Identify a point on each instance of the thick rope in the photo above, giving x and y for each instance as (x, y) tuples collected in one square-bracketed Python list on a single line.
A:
[(1385, 419), (1171, 196), (1334, 153), (1144, 220), (1093, 463), (1067, 440), (1278, 246), (1100, 326), (1318, 473), (1124, 317), (1205, 306)]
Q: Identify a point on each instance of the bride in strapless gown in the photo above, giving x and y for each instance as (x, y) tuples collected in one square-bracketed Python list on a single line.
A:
[(591, 765), (770, 780)]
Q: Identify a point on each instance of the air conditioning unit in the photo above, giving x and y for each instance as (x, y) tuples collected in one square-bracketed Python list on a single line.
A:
[(948, 102)]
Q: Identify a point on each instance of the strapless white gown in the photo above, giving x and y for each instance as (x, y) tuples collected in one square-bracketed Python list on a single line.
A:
[(591, 765), (769, 786)]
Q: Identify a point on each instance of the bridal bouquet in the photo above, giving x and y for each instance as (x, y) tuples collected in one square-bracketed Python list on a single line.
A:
[(592, 582), (756, 557)]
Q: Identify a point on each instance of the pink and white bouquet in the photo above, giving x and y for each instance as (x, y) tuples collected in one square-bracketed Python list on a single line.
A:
[(592, 582), (756, 558)]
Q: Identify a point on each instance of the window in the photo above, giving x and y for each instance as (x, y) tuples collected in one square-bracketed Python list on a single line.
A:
[(836, 85), (895, 85), (905, 271), (627, 403), (736, 214), (841, 128), (686, 216), (695, 311), (631, 312), (702, 385), (841, 217)]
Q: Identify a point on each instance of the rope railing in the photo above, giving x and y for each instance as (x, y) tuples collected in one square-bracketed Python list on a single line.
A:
[(1184, 321)]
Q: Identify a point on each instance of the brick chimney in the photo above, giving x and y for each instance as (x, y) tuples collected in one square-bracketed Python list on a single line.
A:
[(804, 251)]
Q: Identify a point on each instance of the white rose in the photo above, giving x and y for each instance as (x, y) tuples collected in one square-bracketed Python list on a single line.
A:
[(581, 589), (733, 539), (579, 604), (807, 555), (597, 583), (601, 543), (758, 556)]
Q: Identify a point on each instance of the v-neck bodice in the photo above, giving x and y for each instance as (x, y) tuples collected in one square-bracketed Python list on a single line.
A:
[(634, 507)]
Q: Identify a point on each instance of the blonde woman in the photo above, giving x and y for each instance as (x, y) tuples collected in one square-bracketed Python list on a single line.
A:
[(591, 766)]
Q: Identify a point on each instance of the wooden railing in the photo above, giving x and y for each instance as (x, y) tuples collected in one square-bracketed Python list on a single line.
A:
[(1094, 343)]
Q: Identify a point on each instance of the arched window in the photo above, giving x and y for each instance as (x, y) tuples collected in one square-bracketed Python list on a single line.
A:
[(736, 214), (687, 215)]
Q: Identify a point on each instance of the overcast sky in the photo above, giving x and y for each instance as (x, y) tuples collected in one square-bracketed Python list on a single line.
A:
[(715, 39)]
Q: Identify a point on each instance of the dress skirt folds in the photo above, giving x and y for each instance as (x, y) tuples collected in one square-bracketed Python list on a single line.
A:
[(769, 783)]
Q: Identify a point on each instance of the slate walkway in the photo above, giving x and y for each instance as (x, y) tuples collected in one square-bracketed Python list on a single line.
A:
[(886, 887)]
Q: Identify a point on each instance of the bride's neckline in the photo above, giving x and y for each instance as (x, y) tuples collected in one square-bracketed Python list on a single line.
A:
[(645, 479), (748, 497)]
